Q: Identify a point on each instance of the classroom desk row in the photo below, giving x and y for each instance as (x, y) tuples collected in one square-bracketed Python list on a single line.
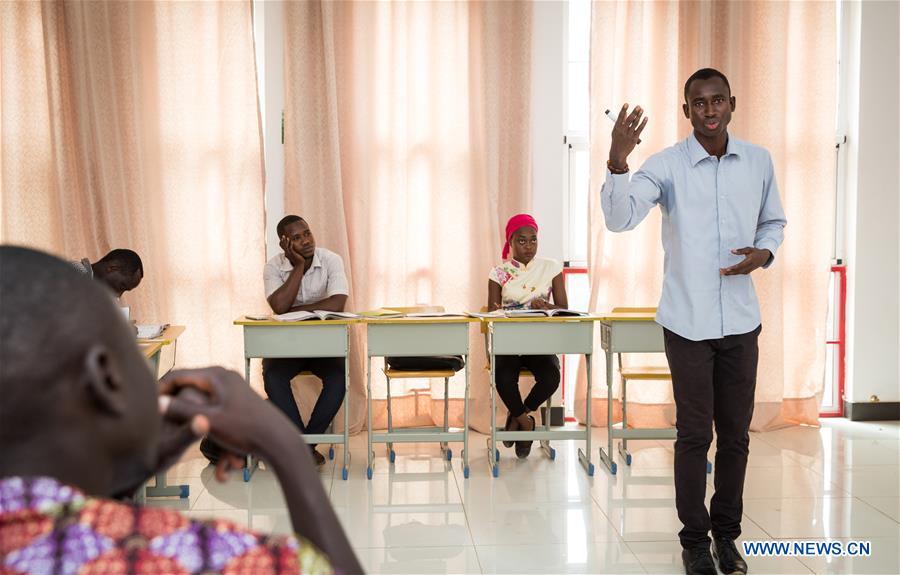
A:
[(431, 336)]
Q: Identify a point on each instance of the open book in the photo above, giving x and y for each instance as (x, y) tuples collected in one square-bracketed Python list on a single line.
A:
[(544, 313), (317, 314), (527, 313), (151, 330)]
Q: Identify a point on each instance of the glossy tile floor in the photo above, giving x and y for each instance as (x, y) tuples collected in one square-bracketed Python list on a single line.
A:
[(419, 515)]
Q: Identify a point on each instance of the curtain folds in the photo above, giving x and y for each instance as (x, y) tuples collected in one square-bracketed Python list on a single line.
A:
[(407, 146), (136, 124), (780, 62)]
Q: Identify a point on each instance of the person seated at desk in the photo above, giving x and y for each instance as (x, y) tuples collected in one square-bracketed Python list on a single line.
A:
[(524, 281), (82, 422), (120, 269), (305, 278)]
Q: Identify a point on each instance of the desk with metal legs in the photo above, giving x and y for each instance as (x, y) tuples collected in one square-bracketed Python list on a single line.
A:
[(160, 353), (293, 339), (540, 336), (419, 337), (629, 332)]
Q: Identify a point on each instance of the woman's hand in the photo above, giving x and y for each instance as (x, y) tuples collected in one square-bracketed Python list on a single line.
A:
[(540, 303)]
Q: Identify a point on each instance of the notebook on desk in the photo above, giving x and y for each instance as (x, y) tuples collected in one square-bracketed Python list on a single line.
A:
[(314, 315), (495, 313), (434, 314), (544, 313), (382, 313), (151, 331), (528, 313)]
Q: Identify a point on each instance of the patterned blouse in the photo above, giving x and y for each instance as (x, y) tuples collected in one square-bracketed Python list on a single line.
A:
[(50, 528), (520, 283)]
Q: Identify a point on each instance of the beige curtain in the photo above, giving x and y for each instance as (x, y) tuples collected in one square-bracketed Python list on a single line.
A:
[(136, 124), (780, 60), (407, 146)]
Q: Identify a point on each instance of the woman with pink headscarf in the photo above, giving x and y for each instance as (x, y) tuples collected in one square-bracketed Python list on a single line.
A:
[(524, 281)]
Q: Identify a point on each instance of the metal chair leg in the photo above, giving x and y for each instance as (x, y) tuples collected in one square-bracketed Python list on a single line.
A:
[(623, 443), (369, 453), (493, 452), (446, 404), (390, 447), (545, 424), (448, 453)]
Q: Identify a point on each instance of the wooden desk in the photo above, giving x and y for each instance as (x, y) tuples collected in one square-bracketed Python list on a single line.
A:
[(540, 336), (160, 352), (418, 337), (312, 338), (168, 341)]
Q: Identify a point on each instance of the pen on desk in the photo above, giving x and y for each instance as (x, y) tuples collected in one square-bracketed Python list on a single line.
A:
[(614, 120)]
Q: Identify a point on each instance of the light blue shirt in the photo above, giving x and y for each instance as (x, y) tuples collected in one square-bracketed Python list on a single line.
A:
[(710, 206)]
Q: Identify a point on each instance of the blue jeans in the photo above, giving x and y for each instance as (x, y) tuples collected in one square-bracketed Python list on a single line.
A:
[(277, 376)]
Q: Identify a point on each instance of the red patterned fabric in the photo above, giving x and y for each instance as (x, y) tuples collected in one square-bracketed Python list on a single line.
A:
[(47, 527)]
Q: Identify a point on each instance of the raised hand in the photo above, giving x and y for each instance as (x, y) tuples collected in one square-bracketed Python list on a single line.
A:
[(626, 134), (753, 258)]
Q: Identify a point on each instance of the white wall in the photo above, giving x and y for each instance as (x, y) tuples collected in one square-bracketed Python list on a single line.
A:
[(872, 184), (548, 125), (269, 29)]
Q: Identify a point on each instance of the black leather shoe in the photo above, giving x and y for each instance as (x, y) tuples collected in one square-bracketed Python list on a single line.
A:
[(727, 556), (506, 428), (698, 561), (213, 451), (523, 448)]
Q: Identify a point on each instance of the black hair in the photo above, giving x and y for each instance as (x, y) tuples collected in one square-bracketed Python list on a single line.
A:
[(128, 260), (285, 222), (705, 74)]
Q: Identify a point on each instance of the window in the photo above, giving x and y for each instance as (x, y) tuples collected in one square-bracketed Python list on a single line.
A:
[(577, 121), (577, 174)]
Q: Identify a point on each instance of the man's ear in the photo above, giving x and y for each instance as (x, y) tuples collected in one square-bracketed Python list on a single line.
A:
[(103, 380), (733, 102), (687, 112)]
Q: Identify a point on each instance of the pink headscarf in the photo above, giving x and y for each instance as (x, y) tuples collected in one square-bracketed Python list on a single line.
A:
[(514, 223)]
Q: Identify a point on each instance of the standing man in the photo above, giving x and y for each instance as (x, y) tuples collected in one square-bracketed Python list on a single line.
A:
[(121, 270), (305, 278), (721, 220)]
